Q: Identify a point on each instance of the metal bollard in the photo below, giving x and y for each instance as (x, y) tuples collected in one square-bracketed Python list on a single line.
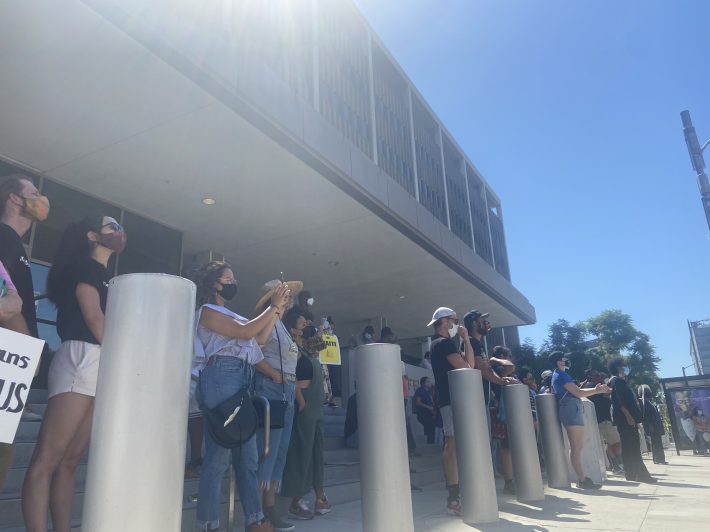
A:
[(553, 444), (141, 407), (384, 467), (473, 449), (523, 446)]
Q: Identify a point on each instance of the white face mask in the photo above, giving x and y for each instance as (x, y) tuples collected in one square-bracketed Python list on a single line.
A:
[(453, 331), (310, 301)]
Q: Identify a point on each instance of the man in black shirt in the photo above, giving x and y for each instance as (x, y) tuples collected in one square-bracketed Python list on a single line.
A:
[(20, 205), (446, 355), (607, 430), (626, 415)]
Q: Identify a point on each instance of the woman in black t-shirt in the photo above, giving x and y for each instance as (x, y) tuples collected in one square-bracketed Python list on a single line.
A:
[(77, 285)]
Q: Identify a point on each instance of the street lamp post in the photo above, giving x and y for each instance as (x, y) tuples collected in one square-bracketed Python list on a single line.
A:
[(685, 367), (696, 158)]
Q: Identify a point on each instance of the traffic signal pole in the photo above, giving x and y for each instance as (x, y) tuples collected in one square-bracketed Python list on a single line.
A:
[(697, 160)]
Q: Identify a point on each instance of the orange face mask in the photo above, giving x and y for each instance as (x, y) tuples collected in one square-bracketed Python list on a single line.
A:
[(36, 209)]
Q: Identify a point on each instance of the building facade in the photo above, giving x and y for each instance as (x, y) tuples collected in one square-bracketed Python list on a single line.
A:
[(280, 135), (700, 345)]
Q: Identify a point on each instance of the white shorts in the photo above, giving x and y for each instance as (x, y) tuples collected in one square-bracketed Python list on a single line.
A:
[(609, 433), (74, 368), (447, 417)]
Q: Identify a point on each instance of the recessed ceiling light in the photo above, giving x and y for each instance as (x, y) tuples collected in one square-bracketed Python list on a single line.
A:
[(402, 297), (209, 201)]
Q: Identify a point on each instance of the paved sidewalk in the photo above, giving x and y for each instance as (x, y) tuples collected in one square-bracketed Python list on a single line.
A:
[(679, 502)]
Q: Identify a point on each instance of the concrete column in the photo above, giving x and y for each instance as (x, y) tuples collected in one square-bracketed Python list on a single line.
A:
[(384, 467), (553, 444), (473, 449), (137, 457), (593, 461), (523, 445)]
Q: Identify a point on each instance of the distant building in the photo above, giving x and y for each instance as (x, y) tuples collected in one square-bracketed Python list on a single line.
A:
[(700, 345)]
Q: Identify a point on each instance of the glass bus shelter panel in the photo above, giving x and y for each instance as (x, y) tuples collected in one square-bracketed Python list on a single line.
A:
[(343, 72), (152, 247), (429, 172), (479, 217), (394, 140), (456, 188), (499, 252), (67, 206)]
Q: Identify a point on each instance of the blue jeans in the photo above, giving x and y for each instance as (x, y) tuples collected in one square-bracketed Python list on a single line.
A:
[(272, 468), (222, 379)]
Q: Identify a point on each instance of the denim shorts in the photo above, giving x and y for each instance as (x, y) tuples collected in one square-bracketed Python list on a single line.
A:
[(571, 411)]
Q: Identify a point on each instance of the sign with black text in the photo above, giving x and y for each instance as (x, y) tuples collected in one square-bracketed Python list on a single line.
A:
[(19, 356)]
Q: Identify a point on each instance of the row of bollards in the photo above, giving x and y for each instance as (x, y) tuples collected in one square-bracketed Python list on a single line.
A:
[(141, 405)]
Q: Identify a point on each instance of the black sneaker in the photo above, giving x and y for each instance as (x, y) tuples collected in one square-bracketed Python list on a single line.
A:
[(277, 522), (588, 484), (648, 480)]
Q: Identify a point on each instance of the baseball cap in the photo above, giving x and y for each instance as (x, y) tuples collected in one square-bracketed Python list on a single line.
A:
[(441, 312), (473, 315)]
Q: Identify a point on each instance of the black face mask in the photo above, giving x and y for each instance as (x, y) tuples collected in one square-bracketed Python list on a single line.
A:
[(228, 291)]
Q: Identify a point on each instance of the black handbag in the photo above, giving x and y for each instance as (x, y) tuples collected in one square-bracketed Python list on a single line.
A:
[(277, 406), (233, 421)]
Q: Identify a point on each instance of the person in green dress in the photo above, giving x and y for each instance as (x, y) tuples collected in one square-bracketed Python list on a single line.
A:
[(304, 463)]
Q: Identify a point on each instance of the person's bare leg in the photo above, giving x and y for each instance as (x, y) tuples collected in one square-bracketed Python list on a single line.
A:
[(451, 471), (506, 464), (576, 443), (64, 417), (62, 487)]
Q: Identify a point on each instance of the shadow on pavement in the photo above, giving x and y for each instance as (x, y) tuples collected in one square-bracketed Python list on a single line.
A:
[(506, 525), (680, 485), (553, 508)]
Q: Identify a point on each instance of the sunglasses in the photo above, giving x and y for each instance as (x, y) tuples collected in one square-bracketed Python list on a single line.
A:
[(115, 226)]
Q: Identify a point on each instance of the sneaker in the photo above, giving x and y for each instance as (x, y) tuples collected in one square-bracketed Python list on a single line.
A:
[(277, 523), (322, 506), (588, 484), (261, 526), (29, 415), (300, 511), (454, 507), (509, 488)]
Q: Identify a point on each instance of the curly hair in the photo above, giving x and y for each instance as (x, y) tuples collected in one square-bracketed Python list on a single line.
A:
[(205, 278), (614, 366)]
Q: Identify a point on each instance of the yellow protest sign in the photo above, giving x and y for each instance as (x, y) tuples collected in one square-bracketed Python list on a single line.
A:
[(331, 353)]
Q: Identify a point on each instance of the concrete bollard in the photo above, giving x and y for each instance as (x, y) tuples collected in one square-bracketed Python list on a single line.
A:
[(523, 445), (553, 444), (473, 450), (137, 457), (384, 467)]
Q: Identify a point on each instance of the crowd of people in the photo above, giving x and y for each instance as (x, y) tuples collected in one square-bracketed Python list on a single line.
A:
[(619, 411), (273, 353)]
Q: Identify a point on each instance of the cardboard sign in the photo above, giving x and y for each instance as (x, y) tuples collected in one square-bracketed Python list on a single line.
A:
[(331, 354), (19, 356)]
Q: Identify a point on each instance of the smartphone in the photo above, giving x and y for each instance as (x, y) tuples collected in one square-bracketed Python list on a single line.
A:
[(283, 278), (3, 288)]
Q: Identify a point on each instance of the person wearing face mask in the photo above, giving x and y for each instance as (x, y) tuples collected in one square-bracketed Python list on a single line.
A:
[(571, 411), (626, 415), (21, 204), (231, 351), (652, 424), (368, 335), (78, 285), (446, 356), (303, 306)]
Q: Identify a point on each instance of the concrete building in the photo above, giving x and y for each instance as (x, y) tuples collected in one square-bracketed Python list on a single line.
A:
[(700, 345), (281, 135)]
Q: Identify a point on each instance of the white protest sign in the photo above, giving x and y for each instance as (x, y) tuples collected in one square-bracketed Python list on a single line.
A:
[(19, 356)]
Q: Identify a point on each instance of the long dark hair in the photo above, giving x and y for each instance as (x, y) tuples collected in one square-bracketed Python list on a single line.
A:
[(205, 278), (74, 246)]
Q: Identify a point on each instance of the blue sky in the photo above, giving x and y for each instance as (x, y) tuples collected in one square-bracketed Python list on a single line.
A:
[(571, 112)]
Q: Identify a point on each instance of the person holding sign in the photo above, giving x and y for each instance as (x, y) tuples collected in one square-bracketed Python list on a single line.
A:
[(78, 285)]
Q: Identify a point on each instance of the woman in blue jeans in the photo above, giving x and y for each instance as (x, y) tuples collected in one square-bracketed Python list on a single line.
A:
[(281, 353), (230, 351), (571, 412)]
